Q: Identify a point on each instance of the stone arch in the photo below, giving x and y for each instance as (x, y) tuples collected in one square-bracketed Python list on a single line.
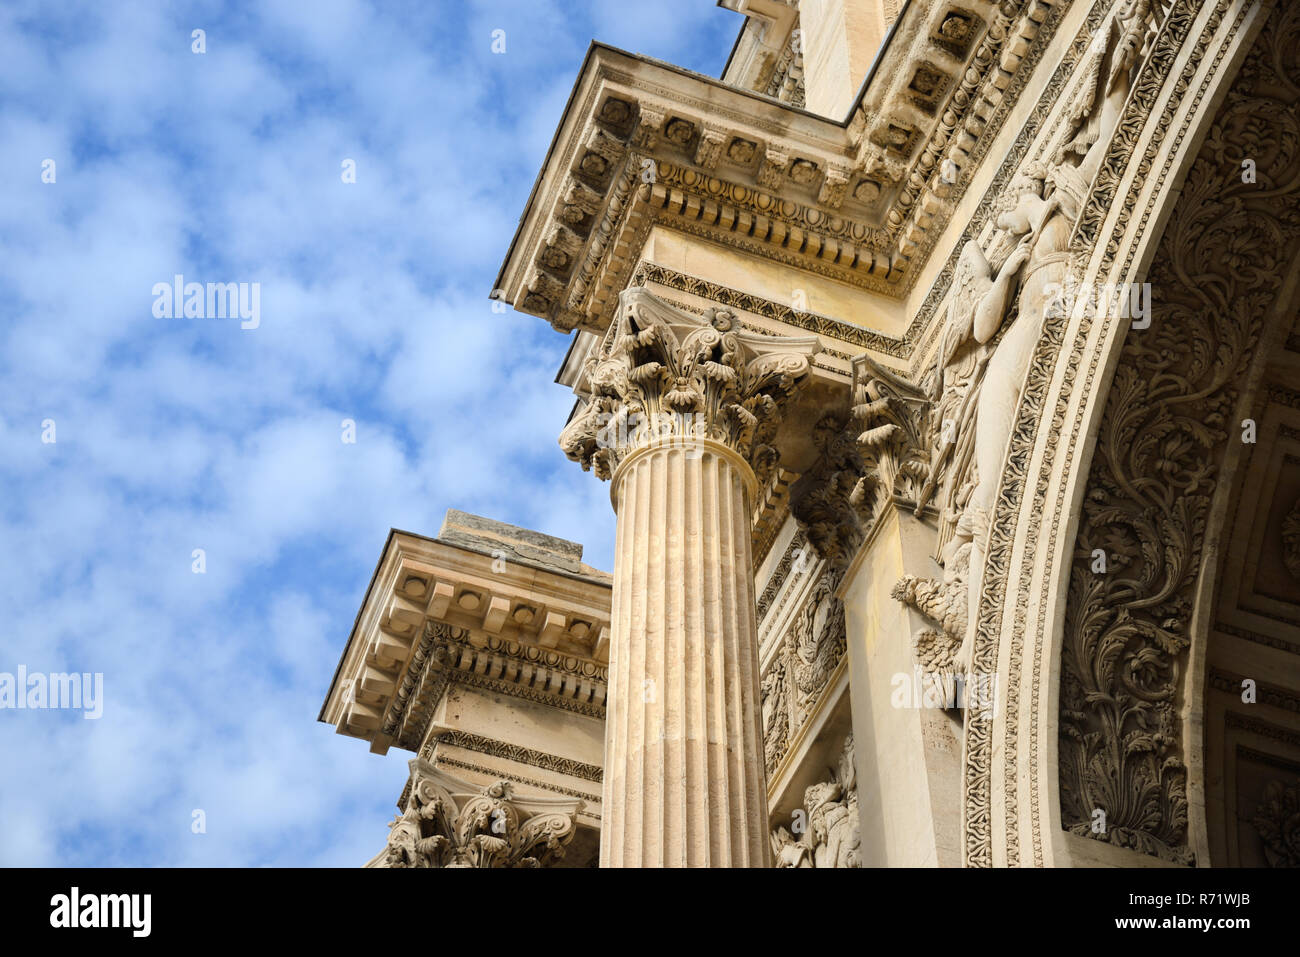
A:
[(1020, 807)]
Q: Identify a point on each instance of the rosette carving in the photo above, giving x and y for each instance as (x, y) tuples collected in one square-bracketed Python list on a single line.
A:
[(1277, 821)]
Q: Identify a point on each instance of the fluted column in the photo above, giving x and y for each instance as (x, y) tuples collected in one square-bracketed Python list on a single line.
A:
[(680, 415), (684, 780)]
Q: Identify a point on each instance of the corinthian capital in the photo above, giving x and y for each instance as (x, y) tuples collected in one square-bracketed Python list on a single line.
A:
[(873, 457), (447, 822), (665, 373), (892, 415)]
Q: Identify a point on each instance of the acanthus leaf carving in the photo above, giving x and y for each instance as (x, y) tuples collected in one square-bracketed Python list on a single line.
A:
[(892, 416), (1277, 821), (664, 373), (448, 822), (869, 459), (1158, 463), (820, 500)]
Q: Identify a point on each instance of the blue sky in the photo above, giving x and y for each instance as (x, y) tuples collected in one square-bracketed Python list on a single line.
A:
[(175, 434)]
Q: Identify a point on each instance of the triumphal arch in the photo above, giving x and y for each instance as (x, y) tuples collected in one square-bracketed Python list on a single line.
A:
[(942, 359)]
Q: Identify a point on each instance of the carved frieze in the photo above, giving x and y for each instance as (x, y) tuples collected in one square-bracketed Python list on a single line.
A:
[(798, 675)]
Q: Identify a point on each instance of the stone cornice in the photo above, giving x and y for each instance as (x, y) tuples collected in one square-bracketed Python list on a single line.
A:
[(763, 51), (437, 612), (859, 200)]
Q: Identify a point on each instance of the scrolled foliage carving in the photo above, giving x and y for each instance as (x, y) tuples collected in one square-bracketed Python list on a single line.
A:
[(1169, 417)]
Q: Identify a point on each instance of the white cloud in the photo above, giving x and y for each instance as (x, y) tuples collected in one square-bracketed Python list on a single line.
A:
[(176, 434)]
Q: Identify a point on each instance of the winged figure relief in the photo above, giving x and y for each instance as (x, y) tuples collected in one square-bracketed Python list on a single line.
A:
[(955, 387)]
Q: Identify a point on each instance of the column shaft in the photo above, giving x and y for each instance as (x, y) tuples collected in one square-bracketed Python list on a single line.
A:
[(684, 777)]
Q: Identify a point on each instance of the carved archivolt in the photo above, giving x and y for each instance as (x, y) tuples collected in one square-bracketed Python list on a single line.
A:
[(1167, 424), (1056, 424), (448, 822), (1004, 291)]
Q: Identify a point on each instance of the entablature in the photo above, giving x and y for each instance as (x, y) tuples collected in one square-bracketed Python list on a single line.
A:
[(858, 201), (485, 604)]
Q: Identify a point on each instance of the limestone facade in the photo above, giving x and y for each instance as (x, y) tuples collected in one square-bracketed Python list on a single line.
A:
[(941, 358)]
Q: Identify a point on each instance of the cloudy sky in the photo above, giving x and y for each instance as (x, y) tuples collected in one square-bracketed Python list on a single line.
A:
[(128, 441)]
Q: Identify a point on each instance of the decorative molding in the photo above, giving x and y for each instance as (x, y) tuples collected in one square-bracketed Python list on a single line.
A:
[(864, 203), (513, 752), (1275, 696), (790, 557), (853, 335), (1290, 533), (770, 511), (450, 655), (785, 82), (441, 760), (798, 675), (1270, 641), (1266, 729)]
